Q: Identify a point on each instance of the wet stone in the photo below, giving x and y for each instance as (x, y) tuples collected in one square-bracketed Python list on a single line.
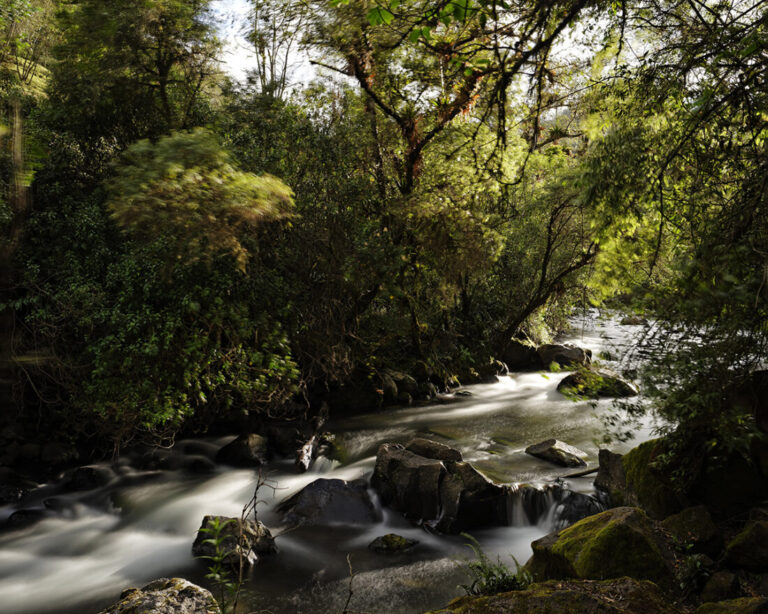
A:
[(392, 543), (557, 452)]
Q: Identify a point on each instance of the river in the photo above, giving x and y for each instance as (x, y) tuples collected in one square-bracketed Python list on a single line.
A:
[(90, 545)]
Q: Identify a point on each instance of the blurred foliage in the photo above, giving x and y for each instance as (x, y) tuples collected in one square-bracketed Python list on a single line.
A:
[(183, 188)]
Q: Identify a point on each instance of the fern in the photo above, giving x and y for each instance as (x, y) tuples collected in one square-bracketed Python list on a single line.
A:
[(489, 577)]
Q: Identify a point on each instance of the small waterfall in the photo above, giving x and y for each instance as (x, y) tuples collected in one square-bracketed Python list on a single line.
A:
[(550, 506), (516, 514)]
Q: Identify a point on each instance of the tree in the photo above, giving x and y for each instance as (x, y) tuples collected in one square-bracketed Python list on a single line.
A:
[(133, 69), (276, 28)]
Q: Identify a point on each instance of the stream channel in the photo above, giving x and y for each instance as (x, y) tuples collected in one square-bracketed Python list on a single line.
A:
[(90, 545)]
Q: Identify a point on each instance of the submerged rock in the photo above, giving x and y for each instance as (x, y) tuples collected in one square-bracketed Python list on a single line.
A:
[(247, 450), (404, 383), (24, 518), (573, 506), (557, 452), (595, 383), (165, 596), (391, 542), (333, 501), (242, 540), (633, 320), (285, 437), (89, 477), (612, 544), (568, 356), (620, 596), (13, 486)]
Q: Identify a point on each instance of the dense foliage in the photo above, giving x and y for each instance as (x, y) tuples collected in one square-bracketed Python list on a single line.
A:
[(461, 174)]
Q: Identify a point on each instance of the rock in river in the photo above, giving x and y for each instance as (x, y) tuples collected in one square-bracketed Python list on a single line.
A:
[(391, 542), (243, 540), (249, 450), (433, 449), (164, 596), (330, 502), (451, 495), (568, 356), (557, 452), (594, 383)]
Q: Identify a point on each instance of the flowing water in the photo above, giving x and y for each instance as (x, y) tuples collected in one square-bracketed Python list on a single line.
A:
[(91, 545)]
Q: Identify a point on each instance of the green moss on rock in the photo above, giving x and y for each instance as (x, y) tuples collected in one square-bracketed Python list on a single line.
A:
[(647, 488), (749, 549), (618, 596), (165, 596), (391, 542), (694, 528), (595, 383), (619, 542)]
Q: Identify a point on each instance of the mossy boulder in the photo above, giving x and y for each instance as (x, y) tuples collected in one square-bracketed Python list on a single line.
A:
[(619, 596), (745, 605), (595, 383), (615, 543), (165, 596), (693, 527), (749, 549), (637, 482)]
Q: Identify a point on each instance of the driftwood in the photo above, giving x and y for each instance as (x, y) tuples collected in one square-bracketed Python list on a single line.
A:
[(580, 474), (307, 454)]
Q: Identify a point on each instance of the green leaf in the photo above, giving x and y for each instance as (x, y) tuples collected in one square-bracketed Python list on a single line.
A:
[(378, 16)]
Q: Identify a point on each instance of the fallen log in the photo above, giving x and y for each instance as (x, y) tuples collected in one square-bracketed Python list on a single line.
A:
[(581, 474)]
